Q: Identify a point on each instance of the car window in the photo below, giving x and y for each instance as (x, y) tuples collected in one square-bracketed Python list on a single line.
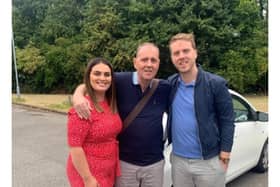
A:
[(241, 109)]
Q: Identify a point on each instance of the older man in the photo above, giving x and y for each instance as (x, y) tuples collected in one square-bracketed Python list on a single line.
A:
[(141, 145)]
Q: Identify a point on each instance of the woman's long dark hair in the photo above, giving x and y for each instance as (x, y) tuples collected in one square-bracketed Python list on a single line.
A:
[(110, 93)]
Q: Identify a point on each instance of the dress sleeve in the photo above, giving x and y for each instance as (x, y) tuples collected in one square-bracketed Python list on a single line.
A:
[(77, 129)]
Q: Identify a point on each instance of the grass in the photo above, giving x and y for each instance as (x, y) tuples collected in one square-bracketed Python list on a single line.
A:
[(259, 102), (62, 102), (57, 102)]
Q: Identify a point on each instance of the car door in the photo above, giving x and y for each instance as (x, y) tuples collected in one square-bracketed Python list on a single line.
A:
[(245, 143)]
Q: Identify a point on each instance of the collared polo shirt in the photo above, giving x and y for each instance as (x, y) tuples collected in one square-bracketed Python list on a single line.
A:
[(141, 142), (184, 125)]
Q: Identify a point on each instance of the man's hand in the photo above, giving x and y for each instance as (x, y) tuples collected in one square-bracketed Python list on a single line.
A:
[(80, 103), (82, 108), (224, 159)]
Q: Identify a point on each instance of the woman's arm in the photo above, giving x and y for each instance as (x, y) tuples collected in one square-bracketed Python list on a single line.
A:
[(80, 162)]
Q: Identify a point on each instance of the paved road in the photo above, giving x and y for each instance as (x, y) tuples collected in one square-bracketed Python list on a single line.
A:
[(250, 179), (39, 148), (40, 151)]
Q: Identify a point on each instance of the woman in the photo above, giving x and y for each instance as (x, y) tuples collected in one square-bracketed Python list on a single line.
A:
[(93, 159)]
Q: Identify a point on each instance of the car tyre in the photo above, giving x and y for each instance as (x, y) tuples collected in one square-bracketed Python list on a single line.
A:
[(262, 165)]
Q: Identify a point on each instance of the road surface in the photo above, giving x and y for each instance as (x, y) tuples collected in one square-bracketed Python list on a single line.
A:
[(40, 151)]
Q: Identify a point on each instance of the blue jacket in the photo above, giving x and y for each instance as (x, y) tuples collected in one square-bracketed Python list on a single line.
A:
[(214, 112)]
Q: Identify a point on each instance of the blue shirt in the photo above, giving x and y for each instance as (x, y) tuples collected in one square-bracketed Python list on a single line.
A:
[(213, 111), (141, 142), (184, 125)]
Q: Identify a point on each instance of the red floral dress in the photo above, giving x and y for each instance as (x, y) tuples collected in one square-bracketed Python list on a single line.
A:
[(97, 137)]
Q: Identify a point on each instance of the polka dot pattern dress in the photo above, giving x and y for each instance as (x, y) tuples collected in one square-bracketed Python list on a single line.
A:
[(97, 137)]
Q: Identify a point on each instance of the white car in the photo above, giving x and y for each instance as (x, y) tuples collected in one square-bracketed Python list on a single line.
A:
[(250, 144)]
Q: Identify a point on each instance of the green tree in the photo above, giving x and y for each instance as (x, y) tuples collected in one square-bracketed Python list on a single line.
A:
[(250, 44), (231, 36), (29, 61), (63, 19), (26, 18)]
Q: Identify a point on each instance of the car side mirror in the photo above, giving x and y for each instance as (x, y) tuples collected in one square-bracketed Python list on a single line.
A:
[(262, 116)]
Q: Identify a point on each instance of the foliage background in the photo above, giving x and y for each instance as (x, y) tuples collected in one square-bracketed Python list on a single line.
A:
[(54, 39)]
